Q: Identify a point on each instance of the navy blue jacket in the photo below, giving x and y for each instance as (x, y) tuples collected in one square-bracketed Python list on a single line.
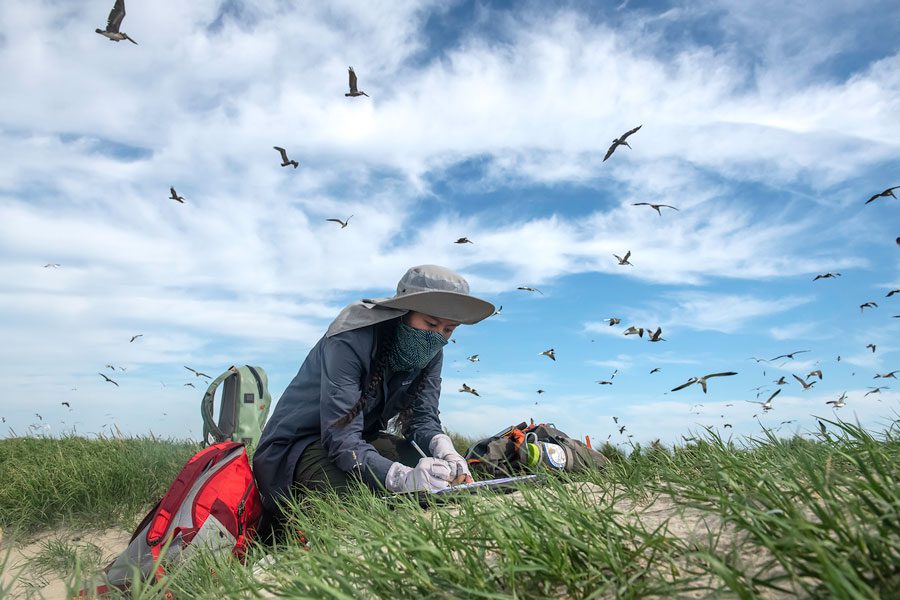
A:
[(328, 385)]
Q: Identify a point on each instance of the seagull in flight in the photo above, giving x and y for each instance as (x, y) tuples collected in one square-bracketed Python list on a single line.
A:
[(116, 15), (791, 355), (52, 265), (134, 337), (474, 358), (623, 260), (354, 91), (892, 292), (870, 304), (872, 346), (548, 353), (654, 370), (839, 403), (885, 193), (876, 390), (891, 375), (342, 223), (497, 312), (655, 207), (285, 161), (530, 289), (805, 385), (469, 390), (767, 405), (826, 276), (197, 373), (635, 330), (620, 141), (108, 379), (463, 240), (189, 384), (613, 321), (817, 373), (174, 196), (702, 380)]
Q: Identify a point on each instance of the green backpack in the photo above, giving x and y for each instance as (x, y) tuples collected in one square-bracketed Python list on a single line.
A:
[(243, 408)]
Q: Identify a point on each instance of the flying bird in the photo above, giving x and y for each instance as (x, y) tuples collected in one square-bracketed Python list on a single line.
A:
[(342, 223), (530, 289), (870, 304), (189, 384), (616, 420), (110, 367), (540, 391), (623, 260), (198, 373), (548, 353), (702, 380), (613, 321), (620, 141), (497, 312), (621, 429), (66, 404), (463, 240), (134, 337), (767, 405), (872, 346), (474, 358), (469, 390), (727, 425), (791, 355), (174, 196), (354, 90), (817, 373), (108, 379), (654, 370), (892, 292), (891, 375), (635, 330), (885, 194), (803, 382), (826, 276), (758, 360), (52, 265), (654, 337), (604, 382), (876, 390), (839, 403), (285, 161), (116, 15), (655, 207)]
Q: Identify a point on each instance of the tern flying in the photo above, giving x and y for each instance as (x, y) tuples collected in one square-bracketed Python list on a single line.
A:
[(613, 321), (342, 223), (189, 384), (872, 346), (632, 330), (116, 15), (863, 307), (702, 380), (134, 337), (826, 276), (197, 373), (354, 91), (548, 353), (497, 312), (623, 260), (885, 193), (620, 141), (530, 289), (817, 373), (108, 379), (803, 382), (891, 375), (791, 355), (876, 390), (174, 196), (463, 240), (469, 390), (839, 403), (654, 370), (285, 161), (767, 405), (474, 358), (655, 207)]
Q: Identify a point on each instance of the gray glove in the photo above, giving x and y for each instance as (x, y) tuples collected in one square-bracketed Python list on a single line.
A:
[(429, 475), (442, 447)]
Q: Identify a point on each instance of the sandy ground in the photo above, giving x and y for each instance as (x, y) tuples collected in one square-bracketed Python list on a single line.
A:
[(697, 527)]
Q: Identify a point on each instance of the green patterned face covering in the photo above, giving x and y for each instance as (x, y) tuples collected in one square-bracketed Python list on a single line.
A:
[(414, 348)]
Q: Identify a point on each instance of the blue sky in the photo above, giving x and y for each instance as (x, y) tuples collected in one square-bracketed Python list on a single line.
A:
[(767, 126)]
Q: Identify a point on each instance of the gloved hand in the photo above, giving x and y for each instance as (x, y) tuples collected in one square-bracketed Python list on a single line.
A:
[(429, 475), (442, 447)]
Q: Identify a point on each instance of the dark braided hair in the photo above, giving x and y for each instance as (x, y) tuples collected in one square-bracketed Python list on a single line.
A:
[(384, 340), (401, 424)]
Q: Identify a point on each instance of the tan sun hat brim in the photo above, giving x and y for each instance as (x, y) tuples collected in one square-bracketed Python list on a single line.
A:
[(446, 305)]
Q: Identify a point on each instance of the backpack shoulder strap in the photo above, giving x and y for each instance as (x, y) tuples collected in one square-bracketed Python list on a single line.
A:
[(206, 408)]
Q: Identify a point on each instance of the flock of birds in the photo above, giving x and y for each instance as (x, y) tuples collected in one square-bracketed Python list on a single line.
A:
[(113, 32)]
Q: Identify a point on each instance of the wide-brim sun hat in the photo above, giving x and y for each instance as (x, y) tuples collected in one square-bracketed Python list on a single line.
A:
[(429, 289), (439, 292)]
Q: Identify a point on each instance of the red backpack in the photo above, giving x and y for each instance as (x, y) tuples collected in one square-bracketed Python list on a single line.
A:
[(212, 503)]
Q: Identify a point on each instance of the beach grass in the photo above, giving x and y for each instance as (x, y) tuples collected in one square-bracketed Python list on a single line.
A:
[(764, 517)]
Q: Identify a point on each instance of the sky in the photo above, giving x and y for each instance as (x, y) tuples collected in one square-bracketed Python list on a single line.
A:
[(767, 126)]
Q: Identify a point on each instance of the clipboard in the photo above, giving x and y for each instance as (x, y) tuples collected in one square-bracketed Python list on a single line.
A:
[(503, 485)]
